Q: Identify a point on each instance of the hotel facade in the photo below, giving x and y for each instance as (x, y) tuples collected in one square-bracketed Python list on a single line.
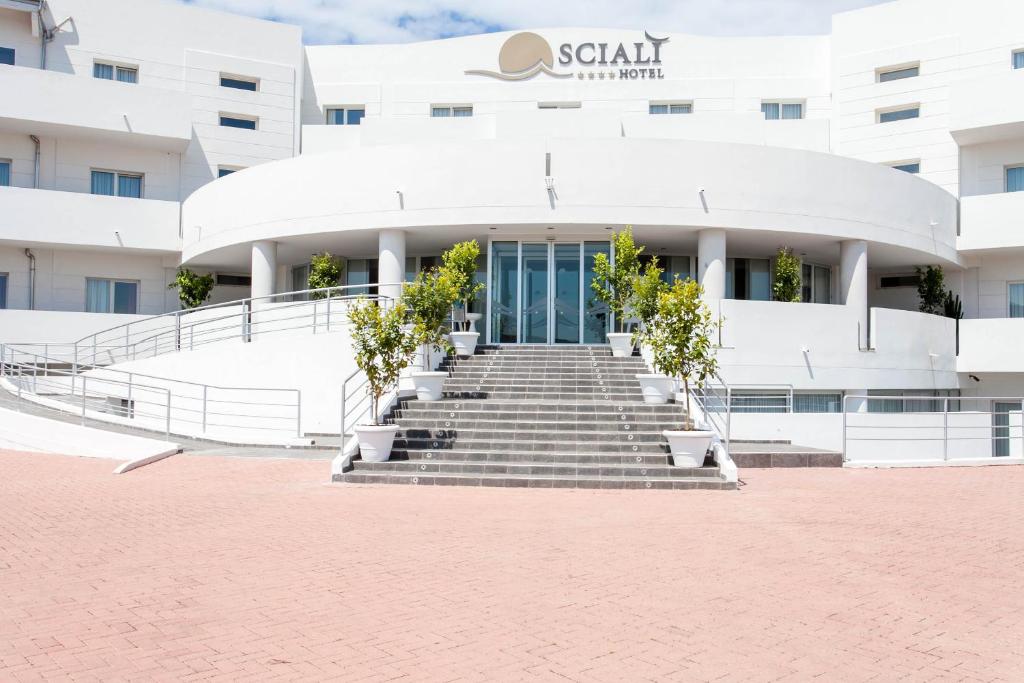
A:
[(222, 144)]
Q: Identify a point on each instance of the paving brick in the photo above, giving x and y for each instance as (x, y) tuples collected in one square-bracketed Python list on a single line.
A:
[(210, 568)]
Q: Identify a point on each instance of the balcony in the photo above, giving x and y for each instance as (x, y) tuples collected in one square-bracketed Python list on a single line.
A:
[(48, 218), (55, 104), (987, 109), (991, 221)]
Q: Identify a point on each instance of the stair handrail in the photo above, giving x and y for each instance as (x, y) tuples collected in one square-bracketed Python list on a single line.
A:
[(721, 426), (129, 389)]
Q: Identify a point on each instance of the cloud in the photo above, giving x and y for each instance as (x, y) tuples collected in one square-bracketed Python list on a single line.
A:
[(401, 21)]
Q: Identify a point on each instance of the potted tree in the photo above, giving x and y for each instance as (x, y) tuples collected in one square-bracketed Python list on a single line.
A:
[(383, 349), (193, 289), (681, 337), (656, 387), (460, 262), (324, 272), (613, 285), (788, 279), (428, 299)]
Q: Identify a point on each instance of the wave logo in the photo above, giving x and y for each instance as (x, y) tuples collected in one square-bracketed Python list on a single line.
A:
[(523, 56)]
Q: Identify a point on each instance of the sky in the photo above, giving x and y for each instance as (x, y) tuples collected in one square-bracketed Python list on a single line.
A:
[(402, 21)]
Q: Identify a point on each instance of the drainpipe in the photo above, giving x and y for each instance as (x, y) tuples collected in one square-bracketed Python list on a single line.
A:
[(44, 38), (31, 279), (35, 181)]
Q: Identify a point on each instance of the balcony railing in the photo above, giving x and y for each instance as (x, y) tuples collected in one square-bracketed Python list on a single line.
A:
[(78, 219), (77, 106)]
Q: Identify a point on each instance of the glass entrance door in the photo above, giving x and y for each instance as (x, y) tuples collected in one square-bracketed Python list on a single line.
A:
[(540, 293), (568, 282)]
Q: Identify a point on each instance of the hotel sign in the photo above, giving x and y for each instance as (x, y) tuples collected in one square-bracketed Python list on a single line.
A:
[(525, 55)]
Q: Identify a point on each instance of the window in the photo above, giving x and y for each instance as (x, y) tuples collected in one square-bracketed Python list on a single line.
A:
[(748, 279), (5, 172), (110, 72), (3, 290), (907, 166), (236, 121), (1018, 59), (826, 402), (347, 116), (897, 281), (117, 184), (239, 83), (901, 114), (774, 111), (227, 170), (111, 296), (1016, 299), (817, 284), (670, 108), (445, 111), (558, 105), (896, 73), (361, 272), (1015, 179), (6, 56), (228, 280), (300, 281)]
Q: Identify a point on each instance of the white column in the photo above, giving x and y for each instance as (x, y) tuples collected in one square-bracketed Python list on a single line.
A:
[(853, 283), (391, 261), (264, 268), (711, 264)]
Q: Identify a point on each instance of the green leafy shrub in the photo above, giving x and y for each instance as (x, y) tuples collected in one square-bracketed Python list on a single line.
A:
[(646, 289), (324, 271), (613, 282), (193, 289), (460, 262), (931, 289), (383, 347), (681, 338), (787, 280), (429, 299)]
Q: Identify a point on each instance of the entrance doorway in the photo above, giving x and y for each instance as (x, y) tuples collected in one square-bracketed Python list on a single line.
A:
[(539, 293)]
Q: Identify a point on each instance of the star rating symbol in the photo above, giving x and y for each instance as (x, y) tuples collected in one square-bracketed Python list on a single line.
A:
[(580, 75), (590, 75)]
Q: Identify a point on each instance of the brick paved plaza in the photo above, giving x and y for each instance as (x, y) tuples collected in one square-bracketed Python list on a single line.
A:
[(202, 568)]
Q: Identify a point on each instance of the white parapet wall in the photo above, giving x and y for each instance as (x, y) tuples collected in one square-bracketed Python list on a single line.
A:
[(815, 346)]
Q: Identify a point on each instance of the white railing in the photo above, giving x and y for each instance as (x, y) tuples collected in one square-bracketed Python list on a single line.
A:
[(76, 377), (714, 400), (160, 404), (947, 430), (313, 310)]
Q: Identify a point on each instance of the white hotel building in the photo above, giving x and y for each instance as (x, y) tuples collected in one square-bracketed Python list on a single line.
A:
[(137, 137)]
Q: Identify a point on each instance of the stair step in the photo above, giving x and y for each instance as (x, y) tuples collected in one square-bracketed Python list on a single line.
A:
[(442, 426), (534, 468), (532, 481), (437, 444), (587, 457)]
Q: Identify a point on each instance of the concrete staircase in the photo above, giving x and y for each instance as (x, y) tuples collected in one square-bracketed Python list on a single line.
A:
[(539, 417)]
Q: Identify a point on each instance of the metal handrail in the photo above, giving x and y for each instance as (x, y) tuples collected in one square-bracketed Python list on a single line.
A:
[(945, 413), (128, 389)]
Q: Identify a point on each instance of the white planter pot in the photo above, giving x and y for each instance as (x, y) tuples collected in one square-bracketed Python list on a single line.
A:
[(657, 389), (647, 353), (464, 342), (375, 441), (621, 343), (473, 319), (688, 448), (429, 385)]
